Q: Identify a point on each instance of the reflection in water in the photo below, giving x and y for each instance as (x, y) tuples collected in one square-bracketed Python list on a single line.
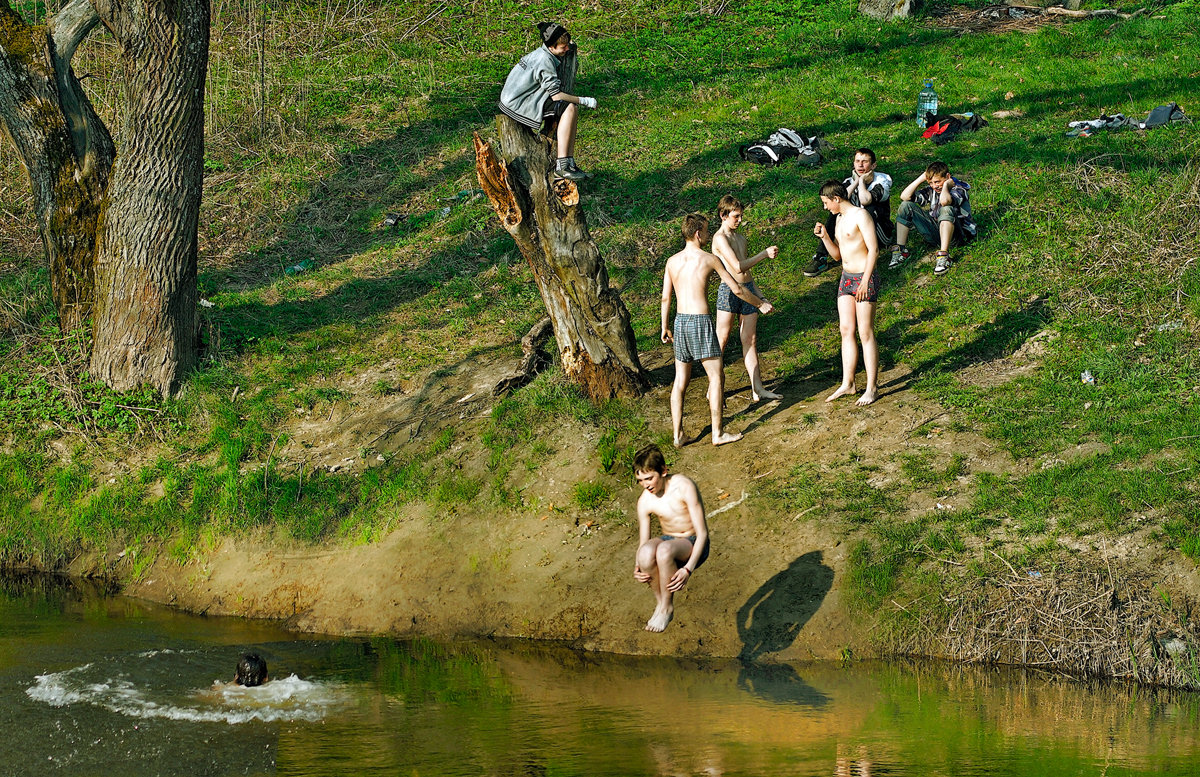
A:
[(779, 683), (99, 685)]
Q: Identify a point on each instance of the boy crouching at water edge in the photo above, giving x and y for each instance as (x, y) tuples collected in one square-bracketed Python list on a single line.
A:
[(666, 563), (693, 335)]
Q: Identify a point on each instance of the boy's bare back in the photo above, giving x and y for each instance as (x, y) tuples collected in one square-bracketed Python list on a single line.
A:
[(689, 272)]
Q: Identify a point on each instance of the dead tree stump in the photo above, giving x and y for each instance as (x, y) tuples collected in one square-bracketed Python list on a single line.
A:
[(543, 215)]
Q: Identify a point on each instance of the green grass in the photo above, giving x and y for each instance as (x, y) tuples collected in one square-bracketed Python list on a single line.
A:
[(1093, 239)]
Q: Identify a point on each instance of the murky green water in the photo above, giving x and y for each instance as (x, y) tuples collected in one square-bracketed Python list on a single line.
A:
[(95, 685)]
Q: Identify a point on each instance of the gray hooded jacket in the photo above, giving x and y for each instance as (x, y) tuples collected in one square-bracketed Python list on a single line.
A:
[(536, 77)]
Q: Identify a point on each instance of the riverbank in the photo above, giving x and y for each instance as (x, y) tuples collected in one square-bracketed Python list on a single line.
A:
[(338, 460), (779, 587)]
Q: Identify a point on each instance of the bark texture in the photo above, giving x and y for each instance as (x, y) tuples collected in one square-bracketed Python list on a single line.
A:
[(65, 148), (119, 234), (145, 321), (886, 10), (544, 217)]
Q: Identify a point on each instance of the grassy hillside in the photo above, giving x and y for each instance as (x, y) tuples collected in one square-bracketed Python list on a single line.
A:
[(324, 118)]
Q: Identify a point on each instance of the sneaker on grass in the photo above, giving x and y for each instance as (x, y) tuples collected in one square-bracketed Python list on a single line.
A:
[(819, 264), (942, 264), (900, 255)]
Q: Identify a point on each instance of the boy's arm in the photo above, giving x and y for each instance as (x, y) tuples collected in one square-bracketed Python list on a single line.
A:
[(866, 225), (643, 514), (666, 305), (691, 499), (738, 289), (831, 246), (865, 197), (947, 197), (730, 258), (911, 189)]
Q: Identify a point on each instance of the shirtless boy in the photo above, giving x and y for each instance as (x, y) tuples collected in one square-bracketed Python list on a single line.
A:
[(693, 335), (730, 246), (853, 243), (667, 562)]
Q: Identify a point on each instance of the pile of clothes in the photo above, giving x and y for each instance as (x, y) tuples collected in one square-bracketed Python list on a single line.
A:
[(1170, 113)]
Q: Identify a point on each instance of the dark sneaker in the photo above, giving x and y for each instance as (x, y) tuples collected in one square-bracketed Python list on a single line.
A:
[(818, 265), (900, 255), (942, 264), (572, 174)]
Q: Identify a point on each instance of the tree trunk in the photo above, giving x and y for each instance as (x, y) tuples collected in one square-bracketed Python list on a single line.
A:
[(145, 322), (542, 213), (65, 148)]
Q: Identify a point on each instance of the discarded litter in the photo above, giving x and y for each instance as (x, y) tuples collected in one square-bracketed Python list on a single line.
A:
[(1086, 377), (1034, 574), (941, 506), (464, 195), (205, 303), (1170, 326), (393, 219), (299, 267)]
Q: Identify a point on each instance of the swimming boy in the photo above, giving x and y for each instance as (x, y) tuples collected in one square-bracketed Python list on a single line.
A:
[(730, 246), (251, 670), (666, 563), (693, 335), (854, 242)]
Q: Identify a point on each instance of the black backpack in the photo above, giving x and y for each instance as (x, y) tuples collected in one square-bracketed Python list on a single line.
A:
[(784, 144)]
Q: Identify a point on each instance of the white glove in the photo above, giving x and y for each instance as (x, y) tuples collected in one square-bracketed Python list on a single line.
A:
[(587, 102)]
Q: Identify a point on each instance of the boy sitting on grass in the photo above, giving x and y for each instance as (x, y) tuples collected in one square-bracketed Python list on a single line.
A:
[(938, 206)]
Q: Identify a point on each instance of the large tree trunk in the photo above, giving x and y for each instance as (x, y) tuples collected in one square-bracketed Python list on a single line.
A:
[(65, 148), (145, 323), (542, 213)]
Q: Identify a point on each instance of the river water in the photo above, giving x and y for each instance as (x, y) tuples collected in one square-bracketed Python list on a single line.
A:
[(102, 685)]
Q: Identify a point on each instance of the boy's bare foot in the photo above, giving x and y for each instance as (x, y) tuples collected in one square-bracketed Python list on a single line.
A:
[(683, 439), (867, 398), (659, 620), (763, 393), (843, 391), (726, 437)]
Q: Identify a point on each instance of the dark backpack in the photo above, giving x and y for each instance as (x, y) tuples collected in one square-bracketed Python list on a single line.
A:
[(784, 144)]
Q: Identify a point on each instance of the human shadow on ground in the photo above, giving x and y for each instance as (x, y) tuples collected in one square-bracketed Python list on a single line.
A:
[(773, 616)]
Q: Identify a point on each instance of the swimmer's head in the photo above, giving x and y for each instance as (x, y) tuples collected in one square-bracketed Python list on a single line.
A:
[(251, 670)]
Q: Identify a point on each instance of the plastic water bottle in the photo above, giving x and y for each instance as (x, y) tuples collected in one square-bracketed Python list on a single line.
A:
[(927, 102)]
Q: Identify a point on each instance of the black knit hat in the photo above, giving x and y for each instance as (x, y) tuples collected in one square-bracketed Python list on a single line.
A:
[(551, 32)]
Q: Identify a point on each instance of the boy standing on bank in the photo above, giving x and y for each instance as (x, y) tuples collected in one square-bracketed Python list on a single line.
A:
[(666, 563), (694, 337), (854, 243), (730, 246)]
